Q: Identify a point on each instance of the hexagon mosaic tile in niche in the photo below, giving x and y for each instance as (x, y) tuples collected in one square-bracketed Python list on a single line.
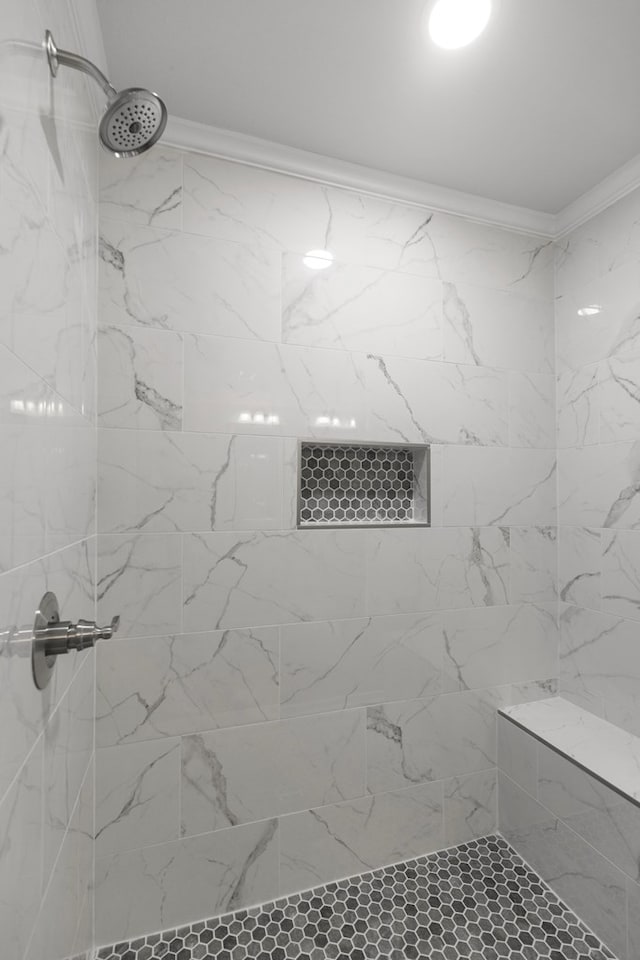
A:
[(363, 485), (478, 901)]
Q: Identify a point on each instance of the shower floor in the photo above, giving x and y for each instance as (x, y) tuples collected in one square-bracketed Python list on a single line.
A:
[(478, 900)]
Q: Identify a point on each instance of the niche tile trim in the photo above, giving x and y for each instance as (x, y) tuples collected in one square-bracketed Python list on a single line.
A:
[(363, 485)]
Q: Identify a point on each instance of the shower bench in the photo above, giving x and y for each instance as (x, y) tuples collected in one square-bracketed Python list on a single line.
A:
[(604, 751)]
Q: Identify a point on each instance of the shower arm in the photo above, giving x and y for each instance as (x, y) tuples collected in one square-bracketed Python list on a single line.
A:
[(67, 59)]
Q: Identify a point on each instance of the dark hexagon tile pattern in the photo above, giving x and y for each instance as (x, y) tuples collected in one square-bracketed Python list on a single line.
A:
[(478, 901), (358, 484)]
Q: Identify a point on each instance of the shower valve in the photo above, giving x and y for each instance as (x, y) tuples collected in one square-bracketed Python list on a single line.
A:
[(63, 636), (53, 637)]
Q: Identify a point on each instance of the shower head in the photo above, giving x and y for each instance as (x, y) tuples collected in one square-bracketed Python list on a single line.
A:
[(134, 119)]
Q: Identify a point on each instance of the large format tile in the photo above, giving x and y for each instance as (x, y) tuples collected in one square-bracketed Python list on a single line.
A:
[(245, 580), (139, 580), (68, 747), (140, 378), (137, 795), (489, 485), (352, 307), (606, 820), (620, 577), (419, 401), (235, 386), (419, 740), (262, 770), (591, 886), (534, 564), (470, 807), (180, 282), (579, 564), (166, 686), (499, 645), (497, 328), (411, 571), (148, 191), (173, 883), (160, 481), (600, 491), (348, 838), (599, 661), (347, 663), (21, 855)]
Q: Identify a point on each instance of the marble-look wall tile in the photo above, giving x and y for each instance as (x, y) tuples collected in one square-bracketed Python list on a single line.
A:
[(68, 747), (137, 795), (140, 378), (139, 580), (596, 490), (485, 486), (160, 481), (246, 580), (185, 684), (633, 914), (497, 328), (21, 848), (235, 386), (155, 888), (589, 883), (619, 399), (147, 191), (419, 401), (24, 710), (351, 307), (534, 564), (578, 397), (518, 755), (41, 511), (532, 410), (337, 664), (470, 807), (258, 771), (413, 571), (420, 740), (499, 645), (620, 577), (599, 662), (242, 203), (337, 841), (62, 926), (176, 281), (606, 820), (579, 565)]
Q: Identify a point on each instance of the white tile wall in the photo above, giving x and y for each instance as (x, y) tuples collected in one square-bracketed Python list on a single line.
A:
[(343, 683), (48, 239)]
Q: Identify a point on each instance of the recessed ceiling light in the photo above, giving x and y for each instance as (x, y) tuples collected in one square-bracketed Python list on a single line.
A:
[(318, 259), (456, 23), (590, 311)]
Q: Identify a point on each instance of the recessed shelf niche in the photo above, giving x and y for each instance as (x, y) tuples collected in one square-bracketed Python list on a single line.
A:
[(363, 485)]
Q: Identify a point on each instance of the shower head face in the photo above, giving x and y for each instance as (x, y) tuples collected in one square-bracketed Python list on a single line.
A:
[(133, 121)]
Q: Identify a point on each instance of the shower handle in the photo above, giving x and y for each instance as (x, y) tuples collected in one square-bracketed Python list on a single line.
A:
[(53, 637), (63, 636)]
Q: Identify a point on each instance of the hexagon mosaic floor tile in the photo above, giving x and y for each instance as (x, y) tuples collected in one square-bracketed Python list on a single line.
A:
[(478, 901)]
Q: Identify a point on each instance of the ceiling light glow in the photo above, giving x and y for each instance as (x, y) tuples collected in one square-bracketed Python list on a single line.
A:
[(318, 259), (590, 311), (456, 23)]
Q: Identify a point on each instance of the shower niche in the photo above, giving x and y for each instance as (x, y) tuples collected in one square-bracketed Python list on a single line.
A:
[(363, 485)]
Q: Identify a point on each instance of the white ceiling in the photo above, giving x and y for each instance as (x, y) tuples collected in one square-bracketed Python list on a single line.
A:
[(536, 112)]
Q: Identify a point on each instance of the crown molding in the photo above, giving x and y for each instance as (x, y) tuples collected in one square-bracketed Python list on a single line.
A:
[(228, 145), (614, 187), (267, 155)]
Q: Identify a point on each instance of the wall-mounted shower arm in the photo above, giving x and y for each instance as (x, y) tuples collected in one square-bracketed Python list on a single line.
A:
[(68, 59)]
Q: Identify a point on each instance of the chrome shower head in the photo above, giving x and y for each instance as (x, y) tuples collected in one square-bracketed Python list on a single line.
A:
[(133, 120)]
